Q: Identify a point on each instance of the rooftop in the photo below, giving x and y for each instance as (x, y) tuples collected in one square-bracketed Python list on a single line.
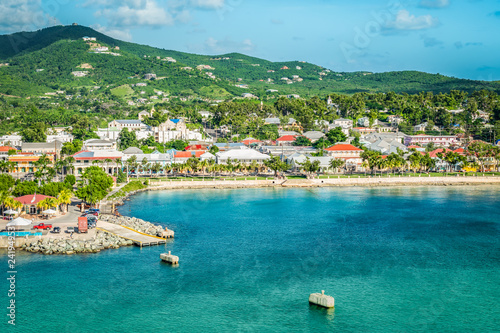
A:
[(343, 147)]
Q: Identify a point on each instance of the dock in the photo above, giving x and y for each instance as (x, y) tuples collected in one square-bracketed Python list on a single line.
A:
[(139, 238), (169, 258), (322, 300)]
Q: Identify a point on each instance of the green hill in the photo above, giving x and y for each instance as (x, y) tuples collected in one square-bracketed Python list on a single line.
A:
[(43, 61)]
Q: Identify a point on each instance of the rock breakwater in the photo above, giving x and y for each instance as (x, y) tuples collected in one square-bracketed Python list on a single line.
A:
[(136, 224), (102, 240)]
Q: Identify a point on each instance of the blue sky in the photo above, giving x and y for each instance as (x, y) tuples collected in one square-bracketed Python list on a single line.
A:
[(451, 37)]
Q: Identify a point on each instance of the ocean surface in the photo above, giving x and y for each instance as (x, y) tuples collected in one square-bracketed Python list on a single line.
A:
[(395, 259)]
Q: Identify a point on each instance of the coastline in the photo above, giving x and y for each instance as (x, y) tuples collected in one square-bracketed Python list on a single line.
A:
[(334, 181)]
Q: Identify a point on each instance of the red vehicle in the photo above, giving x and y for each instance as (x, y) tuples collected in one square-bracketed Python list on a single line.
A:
[(43, 226), (82, 224)]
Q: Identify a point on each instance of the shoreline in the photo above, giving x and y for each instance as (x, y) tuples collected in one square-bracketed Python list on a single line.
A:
[(355, 181), (325, 182)]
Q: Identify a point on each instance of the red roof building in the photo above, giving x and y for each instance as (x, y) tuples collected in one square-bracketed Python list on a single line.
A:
[(347, 152), (286, 140), (5, 149), (183, 156), (433, 154), (343, 147), (30, 201), (248, 142), (196, 147)]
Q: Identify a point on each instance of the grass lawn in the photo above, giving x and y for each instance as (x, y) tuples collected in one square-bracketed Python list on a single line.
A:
[(122, 91)]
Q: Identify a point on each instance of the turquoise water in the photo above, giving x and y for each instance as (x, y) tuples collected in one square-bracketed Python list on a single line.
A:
[(20, 233), (395, 259)]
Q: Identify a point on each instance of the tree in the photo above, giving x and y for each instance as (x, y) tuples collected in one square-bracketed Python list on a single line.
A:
[(127, 139), (64, 198), (276, 164), (371, 159), (310, 167), (6, 182), (70, 180), (336, 163), (12, 203), (70, 148), (96, 184), (52, 189), (35, 133), (336, 135), (24, 188), (214, 149), (302, 141)]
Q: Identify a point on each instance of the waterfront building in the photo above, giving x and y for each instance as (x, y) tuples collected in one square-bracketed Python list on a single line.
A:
[(244, 156), (30, 201), (347, 152), (108, 160)]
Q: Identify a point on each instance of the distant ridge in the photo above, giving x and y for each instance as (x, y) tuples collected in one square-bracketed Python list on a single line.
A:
[(27, 50)]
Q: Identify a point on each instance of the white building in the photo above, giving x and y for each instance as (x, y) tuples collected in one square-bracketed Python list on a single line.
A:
[(131, 124), (98, 144), (14, 140), (438, 140), (62, 136), (244, 156)]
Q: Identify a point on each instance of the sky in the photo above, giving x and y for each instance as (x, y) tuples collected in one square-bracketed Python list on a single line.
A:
[(450, 37)]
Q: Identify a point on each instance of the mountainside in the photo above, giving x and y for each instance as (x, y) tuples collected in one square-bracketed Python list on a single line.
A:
[(57, 58)]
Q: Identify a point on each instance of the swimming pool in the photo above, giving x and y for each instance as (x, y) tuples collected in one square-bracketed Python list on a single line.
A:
[(20, 233)]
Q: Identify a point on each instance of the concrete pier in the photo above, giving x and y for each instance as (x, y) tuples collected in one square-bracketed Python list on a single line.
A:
[(169, 258), (322, 300), (139, 239)]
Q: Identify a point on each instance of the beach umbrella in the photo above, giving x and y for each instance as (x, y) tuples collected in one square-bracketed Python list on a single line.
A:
[(18, 222), (10, 212), (49, 211)]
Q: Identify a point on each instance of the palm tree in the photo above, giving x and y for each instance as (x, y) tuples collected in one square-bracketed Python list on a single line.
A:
[(11, 203), (59, 166), (43, 204), (64, 198), (69, 164), (3, 195), (336, 163)]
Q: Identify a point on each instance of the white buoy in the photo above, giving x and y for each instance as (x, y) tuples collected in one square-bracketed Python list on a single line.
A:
[(171, 259), (322, 300)]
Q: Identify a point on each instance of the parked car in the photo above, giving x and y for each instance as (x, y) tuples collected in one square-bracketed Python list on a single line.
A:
[(70, 229), (87, 213), (56, 230), (43, 226)]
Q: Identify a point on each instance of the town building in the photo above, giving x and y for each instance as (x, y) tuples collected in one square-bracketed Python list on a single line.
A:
[(14, 140), (347, 152), (42, 147), (108, 160), (98, 144), (131, 124), (30, 202), (438, 140), (25, 163), (243, 156)]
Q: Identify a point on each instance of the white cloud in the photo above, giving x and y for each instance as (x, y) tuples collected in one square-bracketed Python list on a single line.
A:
[(17, 15), (405, 21), (227, 45), (121, 34), (434, 3), (136, 13), (154, 13), (212, 4)]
